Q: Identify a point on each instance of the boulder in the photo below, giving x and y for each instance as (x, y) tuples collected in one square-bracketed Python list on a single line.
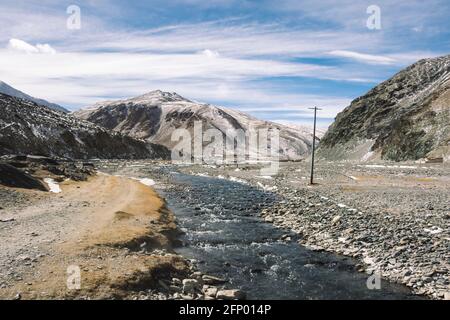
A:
[(42, 160), (190, 286), (230, 294), (211, 280), (336, 220), (211, 292), (15, 178)]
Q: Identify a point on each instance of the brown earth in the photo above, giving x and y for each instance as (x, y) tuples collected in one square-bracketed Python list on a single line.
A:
[(117, 231)]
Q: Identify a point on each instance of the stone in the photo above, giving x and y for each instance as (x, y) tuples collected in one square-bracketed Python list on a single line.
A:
[(175, 289), (211, 280), (23, 258), (211, 292), (335, 220), (190, 285), (233, 294), (13, 177)]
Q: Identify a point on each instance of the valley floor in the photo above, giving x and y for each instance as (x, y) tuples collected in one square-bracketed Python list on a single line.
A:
[(393, 218)]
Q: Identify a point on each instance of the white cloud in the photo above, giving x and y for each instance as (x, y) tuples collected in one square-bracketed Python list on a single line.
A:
[(22, 46), (212, 61), (148, 66), (45, 48), (396, 15), (210, 53), (79, 81), (236, 40), (367, 58)]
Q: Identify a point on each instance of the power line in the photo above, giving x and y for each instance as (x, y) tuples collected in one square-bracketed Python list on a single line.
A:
[(314, 144)]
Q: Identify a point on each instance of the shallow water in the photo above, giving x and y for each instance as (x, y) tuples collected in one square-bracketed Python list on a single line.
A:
[(223, 231)]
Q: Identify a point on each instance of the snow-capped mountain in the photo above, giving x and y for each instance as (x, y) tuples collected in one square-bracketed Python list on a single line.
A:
[(154, 117), (404, 118), (29, 128), (10, 91)]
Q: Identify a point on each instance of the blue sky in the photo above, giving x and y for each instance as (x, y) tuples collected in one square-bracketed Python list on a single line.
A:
[(273, 59)]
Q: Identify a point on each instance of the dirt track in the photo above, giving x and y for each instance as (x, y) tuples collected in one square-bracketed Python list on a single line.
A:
[(116, 230)]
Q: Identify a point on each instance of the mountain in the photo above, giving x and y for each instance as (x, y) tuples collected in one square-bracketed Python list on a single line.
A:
[(404, 118), (10, 91), (154, 117), (29, 128)]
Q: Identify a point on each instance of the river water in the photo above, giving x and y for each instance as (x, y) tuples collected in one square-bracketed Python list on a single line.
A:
[(226, 236)]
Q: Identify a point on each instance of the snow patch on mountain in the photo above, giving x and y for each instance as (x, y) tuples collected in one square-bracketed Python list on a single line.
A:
[(29, 128), (404, 118), (156, 115)]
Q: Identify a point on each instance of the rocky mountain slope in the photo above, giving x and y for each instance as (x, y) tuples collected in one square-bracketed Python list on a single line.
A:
[(404, 118), (155, 115), (10, 91), (29, 128)]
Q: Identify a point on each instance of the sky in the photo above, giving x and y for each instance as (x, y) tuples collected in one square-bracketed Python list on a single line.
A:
[(272, 59)]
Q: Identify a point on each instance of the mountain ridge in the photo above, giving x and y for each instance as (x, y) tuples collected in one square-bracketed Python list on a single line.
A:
[(403, 118), (153, 116), (9, 90), (29, 128)]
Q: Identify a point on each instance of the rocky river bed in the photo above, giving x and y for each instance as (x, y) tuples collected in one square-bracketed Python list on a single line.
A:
[(361, 232), (272, 242), (392, 219)]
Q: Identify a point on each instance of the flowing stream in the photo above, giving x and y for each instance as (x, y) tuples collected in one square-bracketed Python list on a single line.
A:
[(226, 236)]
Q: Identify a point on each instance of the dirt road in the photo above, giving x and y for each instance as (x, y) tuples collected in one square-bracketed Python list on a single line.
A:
[(115, 231)]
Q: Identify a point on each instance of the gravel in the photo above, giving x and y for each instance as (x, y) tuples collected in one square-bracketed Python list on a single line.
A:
[(393, 219)]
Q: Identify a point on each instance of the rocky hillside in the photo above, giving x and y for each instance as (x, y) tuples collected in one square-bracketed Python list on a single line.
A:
[(404, 118), (10, 91), (155, 115), (29, 128)]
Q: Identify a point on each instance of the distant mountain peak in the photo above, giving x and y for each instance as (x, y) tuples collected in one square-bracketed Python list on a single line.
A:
[(155, 115), (10, 91), (159, 96), (152, 98)]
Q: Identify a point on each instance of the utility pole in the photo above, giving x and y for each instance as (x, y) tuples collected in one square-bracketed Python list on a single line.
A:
[(313, 145)]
